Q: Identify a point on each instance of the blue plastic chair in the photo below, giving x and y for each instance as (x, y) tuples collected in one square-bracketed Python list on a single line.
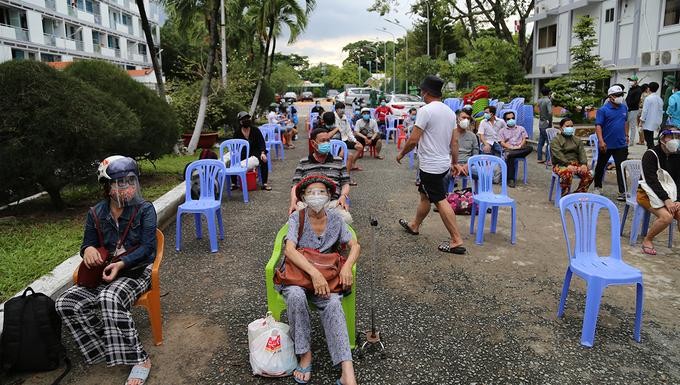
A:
[(484, 196), (235, 147), (452, 183), (525, 118), (412, 159), (313, 116), (517, 160), (598, 271), (631, 171), (594, 143), (551, 133), (391, 128), (336, 147), (277, 143), (372, 110), (209, 171), (269, 137)]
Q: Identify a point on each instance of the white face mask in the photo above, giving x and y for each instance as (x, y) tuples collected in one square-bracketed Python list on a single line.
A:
[(618, 100), (673, 145), (316, 202), (464, 124)]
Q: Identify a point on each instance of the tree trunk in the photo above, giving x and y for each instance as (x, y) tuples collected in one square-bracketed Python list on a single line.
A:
[(265, 57), (152, 48), (207, 78), (55, 196), (271, 60)]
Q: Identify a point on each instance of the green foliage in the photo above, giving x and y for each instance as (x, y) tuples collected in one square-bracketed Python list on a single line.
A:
[(53, 128), (422, 66), (184, 50), (525, 91), (492, 62), (579, 89), (283, 75), (159, 128)]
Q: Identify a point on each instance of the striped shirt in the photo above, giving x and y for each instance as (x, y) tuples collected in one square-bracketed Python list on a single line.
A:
[(331, 168)]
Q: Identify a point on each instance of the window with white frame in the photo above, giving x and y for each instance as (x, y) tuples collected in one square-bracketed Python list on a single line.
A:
[(547, 36), (671, 14), (609, 15)]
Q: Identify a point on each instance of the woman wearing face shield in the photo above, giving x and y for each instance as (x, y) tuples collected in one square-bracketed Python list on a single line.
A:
[(99, 318), (658, 190), (323, 230)]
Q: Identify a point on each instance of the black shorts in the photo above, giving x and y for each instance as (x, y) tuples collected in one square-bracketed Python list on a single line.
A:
[(350, 145), (432, 185)]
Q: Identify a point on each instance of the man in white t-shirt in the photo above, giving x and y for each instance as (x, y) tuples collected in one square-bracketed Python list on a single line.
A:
[(433, 133)]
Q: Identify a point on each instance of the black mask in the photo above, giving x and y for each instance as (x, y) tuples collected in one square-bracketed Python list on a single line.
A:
[(245, 123)]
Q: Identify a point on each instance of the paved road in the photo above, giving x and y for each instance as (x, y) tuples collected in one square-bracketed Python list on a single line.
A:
[(487, 317)]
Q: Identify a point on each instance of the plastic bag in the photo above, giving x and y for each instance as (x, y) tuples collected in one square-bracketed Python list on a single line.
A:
[(272, 353)]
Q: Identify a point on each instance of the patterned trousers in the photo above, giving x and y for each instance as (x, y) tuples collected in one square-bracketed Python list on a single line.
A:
[(332, 320), (100, 320), (566, 177)]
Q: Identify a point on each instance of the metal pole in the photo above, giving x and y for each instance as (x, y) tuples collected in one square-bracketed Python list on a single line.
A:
[(394, 58), (385, 66), (396, 22), (428, 28), (223, 44)]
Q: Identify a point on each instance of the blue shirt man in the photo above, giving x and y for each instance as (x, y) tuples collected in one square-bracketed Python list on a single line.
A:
[(611, 127), (612, 120), (674, 106)]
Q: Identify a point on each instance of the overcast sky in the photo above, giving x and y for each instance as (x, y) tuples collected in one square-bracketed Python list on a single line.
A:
[(335, 23)]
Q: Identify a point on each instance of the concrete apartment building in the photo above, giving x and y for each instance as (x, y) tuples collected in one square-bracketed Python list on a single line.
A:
[(68, 30), (634, 36)]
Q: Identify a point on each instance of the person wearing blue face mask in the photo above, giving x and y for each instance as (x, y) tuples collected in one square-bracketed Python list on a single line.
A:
[(513, 139), (367, 132), (410, 120), (569, 158), (489, 129)]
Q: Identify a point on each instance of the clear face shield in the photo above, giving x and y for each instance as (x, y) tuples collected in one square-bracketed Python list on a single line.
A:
[(126, 191)]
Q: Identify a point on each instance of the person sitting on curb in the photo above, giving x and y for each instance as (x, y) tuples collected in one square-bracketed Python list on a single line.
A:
[(569, 159), (322, 230), (346, 135), (513, 139), (661, 199), (320, 161), (99, 318), (367, 132), (489, 130)]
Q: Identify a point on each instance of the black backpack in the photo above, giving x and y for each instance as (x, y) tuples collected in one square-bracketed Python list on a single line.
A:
[(31, 335)]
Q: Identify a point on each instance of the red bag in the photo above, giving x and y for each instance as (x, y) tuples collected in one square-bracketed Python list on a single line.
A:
[(461, 201)]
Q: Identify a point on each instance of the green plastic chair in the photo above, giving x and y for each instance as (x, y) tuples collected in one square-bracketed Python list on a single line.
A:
[(277, 304)]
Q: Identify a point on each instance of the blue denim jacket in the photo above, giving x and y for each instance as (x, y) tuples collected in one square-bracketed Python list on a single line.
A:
[(142, 233)]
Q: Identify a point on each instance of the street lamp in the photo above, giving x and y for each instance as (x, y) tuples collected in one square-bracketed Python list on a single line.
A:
[(385, 63), (394, 58), (396, 22), (428, 28)]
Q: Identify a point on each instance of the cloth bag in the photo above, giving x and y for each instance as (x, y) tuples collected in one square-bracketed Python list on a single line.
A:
[(461, 201), (272, 351), (666, 182)]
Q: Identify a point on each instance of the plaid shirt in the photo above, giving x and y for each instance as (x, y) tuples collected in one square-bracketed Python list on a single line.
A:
[(332, 168)]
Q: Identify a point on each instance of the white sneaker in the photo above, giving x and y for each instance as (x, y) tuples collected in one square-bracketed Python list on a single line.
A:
[(597, 191)]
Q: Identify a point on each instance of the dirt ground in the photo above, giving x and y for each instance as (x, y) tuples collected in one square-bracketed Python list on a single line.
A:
[(488, 317)]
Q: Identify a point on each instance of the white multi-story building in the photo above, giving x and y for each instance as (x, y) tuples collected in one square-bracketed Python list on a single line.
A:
[(634, 37), (68, 30)]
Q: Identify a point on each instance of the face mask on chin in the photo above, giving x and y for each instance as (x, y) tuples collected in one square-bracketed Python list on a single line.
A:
[(245, 123)]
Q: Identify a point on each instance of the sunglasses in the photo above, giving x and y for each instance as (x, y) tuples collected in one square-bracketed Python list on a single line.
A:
[(617, 95)]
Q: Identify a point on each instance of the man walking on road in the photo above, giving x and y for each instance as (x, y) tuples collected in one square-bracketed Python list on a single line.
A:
[(544, 122), (438, 153), (611, 127), (633, 103)]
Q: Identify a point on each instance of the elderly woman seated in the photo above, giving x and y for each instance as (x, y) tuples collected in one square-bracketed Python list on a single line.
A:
[(568, 156), (659, 186), (322, 230)]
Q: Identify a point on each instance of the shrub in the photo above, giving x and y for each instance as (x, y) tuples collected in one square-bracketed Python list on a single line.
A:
[(55, 128), (159, 126)]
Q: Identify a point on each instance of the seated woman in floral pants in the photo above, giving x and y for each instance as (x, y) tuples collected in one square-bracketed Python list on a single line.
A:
[(569, 158)]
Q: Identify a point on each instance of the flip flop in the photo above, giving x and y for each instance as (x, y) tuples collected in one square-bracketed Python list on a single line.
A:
[(406, 227), (303, 371), (446, 248), (357, 168), (267, 188), (353, 183), (138, 372), (380, 157), (648, 250)]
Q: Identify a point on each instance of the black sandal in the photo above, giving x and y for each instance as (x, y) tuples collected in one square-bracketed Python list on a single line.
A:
[(446, 248), (406, 227), (266, 187)]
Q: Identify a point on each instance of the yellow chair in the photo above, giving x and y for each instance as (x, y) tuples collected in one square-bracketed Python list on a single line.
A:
[(151, 300), (276, 302)]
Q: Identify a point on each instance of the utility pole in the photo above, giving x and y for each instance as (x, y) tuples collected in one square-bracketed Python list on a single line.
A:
[(396, 22), (428, 28), (223, 44), (394, 59)]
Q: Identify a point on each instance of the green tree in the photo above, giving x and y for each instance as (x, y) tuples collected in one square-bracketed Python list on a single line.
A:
[(159, 128), (54, 128), (578, 89), (283, 75), (153, 50)]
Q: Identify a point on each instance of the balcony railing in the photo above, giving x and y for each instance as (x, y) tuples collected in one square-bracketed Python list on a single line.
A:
[(117, 52), (98, 19), (80, 46), (97, 47), (19, 33), (51, 4), (50, 39), (72, 11)]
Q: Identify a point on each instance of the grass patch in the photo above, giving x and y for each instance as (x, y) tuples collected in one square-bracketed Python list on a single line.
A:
[(34, 238)]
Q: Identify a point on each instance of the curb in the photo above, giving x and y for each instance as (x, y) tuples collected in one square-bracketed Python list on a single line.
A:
[(61, 277)]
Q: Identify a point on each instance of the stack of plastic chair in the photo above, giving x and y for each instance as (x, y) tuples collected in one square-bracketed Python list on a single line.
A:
[(338, 146), (391, 127), (479, 105), (209, 172), (484, 196), (454, 104), (276, 303), (594, 143), (525, 118), (313, 116), (584, 261), (269, 138), (631, 171), (551, 133), (516, 103), (235, 147), (517, 160)]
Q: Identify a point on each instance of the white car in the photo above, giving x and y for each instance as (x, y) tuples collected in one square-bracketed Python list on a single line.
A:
[(401, 103)]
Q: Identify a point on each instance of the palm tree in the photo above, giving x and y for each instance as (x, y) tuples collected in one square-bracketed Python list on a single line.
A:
[(152, 48), (271, 17)]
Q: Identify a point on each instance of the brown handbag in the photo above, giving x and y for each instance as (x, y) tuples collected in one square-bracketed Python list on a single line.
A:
[(92, 277), (329, 264)]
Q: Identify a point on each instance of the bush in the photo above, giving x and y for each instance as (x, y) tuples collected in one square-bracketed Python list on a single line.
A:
[(54, 128), (159, 126)]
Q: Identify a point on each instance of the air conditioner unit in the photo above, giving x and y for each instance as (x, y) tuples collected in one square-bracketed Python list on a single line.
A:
[(669, 57), (648, 59)]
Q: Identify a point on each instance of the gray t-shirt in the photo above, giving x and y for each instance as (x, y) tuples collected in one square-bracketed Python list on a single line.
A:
[(336, 230), (369, 129), (468, 145), (544, 112)]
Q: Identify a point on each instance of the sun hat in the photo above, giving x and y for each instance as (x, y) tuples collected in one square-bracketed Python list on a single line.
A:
[(316, 178), (242, 115), (615, 90), (365, 109)]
